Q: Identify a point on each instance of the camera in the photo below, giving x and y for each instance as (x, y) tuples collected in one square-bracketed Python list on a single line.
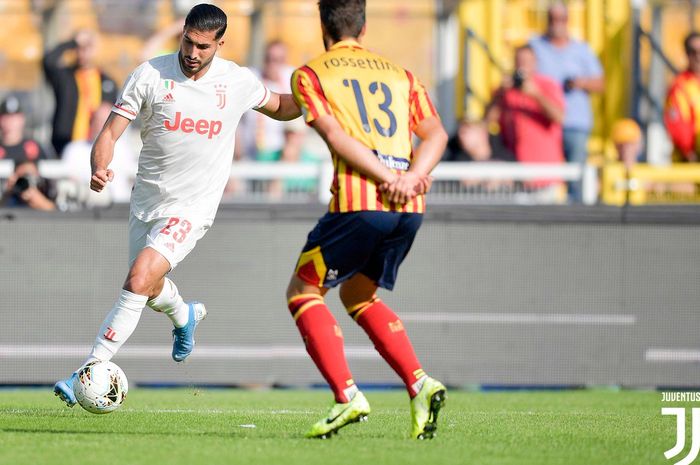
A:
[(568, 84), (25, 182), (518, 79)]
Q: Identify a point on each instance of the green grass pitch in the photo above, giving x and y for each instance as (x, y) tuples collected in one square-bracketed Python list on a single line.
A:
[(190, 426)]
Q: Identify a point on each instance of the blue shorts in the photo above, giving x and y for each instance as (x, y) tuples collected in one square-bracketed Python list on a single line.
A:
[(368, 242)]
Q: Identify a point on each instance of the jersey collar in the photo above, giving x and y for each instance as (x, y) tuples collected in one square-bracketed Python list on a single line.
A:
[(349, 43)]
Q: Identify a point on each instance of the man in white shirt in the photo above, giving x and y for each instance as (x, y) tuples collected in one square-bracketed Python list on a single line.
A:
[(190, 102)]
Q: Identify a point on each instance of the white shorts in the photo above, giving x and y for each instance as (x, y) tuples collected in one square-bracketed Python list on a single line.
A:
[(174, 237)]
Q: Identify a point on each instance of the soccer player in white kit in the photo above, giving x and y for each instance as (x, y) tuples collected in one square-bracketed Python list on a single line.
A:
[(190, 103)]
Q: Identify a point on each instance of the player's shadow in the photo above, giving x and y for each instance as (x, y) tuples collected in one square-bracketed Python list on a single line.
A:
[(218, 434)]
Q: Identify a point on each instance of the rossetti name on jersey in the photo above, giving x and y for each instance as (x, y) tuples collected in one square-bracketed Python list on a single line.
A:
[(187, 125)]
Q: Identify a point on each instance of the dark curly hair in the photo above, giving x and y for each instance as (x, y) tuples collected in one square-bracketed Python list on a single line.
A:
[(342, 18)]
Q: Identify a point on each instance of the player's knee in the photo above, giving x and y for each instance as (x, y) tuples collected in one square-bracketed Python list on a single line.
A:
[(139, 283), (291, 290), (346, 296), (351, 296)]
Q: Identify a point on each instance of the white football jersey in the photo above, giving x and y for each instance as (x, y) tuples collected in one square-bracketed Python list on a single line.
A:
[(188, 133)]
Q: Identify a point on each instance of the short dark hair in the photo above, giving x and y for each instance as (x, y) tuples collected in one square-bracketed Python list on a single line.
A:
[(342, 18), (691, 37), (524, 48), (206, 17)]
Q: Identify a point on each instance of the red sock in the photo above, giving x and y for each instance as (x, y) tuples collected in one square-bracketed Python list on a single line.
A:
[(386, 331), (324, 342)]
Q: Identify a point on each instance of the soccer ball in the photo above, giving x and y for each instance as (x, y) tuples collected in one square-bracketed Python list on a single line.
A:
[(100, 387)]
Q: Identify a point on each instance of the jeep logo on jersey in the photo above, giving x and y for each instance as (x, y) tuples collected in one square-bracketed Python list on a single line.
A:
[(187, 125)]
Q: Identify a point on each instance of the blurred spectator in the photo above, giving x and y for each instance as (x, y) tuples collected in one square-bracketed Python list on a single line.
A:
[(76, 157), (264, 139), (529, 109), (26, 188), (472, 142), (627, 138), (683, 105), (79, 88), (159, 43), (575, 67), (13, 143)]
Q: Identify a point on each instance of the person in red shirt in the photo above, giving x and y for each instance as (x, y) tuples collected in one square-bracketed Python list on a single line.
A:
[(682, 115), (529, 109)]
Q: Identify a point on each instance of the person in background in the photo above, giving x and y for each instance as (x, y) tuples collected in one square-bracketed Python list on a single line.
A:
[(473, 142), (158, 43), (529, 109), (264, 139), (683, 106), (627, 138), (79, 88), (573, 65), (76, 156), (14, 145), (25, 188)]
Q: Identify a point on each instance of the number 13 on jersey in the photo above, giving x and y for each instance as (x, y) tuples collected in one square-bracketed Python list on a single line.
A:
[(374, 87)]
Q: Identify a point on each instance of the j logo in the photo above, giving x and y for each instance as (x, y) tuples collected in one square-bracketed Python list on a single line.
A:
[(220, 95), (680, 435)]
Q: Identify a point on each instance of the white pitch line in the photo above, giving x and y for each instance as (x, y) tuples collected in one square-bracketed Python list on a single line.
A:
[(672, 355), (522, 318), (160, 351)]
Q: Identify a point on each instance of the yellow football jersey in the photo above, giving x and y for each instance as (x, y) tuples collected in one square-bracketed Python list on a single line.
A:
[(375, 102)]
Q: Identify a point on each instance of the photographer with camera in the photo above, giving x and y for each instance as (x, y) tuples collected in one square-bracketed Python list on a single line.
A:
[(25, 188), (529, 109)]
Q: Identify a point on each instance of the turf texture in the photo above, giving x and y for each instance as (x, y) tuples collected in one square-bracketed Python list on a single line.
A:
[(230, 426)]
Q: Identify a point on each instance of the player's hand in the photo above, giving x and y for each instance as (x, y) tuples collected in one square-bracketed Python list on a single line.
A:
[(100, 178), (35, 199), (425, 185), (406, 187), (530, 88)]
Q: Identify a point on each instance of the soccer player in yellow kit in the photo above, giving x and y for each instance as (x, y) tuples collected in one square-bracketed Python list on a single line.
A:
[(366, 108)]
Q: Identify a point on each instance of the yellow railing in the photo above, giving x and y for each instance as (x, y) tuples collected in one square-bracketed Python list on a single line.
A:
[(648, 184)]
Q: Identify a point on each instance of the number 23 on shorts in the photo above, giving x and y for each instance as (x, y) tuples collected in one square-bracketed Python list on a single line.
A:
[(181, 234)]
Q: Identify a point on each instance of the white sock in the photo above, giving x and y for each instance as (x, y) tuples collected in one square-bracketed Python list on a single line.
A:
[(118, 325), (170, 302), (350, 392), (418, 385)]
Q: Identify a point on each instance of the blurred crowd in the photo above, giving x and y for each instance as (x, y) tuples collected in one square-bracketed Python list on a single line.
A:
[(541, 113)]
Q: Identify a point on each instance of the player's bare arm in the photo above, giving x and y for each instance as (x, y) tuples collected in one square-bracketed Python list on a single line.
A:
[(281, 107), (103, 151), (430, 149), (354, 152), (417, 179)]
